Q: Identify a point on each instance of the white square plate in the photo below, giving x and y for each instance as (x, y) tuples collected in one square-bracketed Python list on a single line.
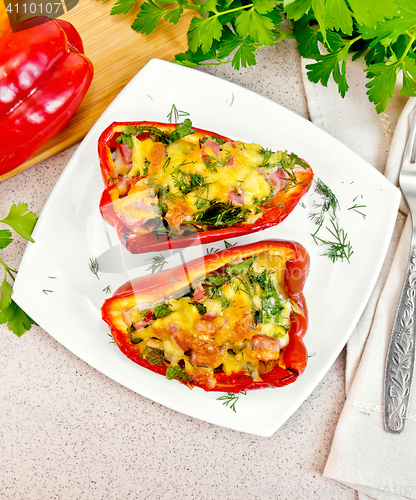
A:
[(56, 287)]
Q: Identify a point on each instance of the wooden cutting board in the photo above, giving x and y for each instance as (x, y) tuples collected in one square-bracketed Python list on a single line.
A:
[(117, 53)]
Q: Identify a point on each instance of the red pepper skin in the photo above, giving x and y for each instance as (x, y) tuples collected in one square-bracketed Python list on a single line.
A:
[(44, 78), (277, 209), (171, 281)]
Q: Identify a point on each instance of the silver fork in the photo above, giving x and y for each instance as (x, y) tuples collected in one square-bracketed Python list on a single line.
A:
[(401, 353)]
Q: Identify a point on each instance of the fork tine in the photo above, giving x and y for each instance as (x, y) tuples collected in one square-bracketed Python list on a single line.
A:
[(410, 146)]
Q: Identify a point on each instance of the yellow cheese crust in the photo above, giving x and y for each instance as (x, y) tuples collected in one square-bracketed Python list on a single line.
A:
[(190, 175), (240, 325)]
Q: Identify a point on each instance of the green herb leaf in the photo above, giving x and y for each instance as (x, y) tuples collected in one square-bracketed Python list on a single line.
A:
[(230, 399), (5, 238), (148, 17), (21, 220), (381, 87), (338, 247), (201, 308), (271, 302), (203, 32), (6, 294), (259, 27), (244, 55), (240, 267), (122, 7), (338, 16), (162, 310), (176, 372), (154, 356), (327, 65), (158, 262), (17, 320), (181, 130), (229, 31), (409, 77), (297, 9), (175, 114), (93, 266)]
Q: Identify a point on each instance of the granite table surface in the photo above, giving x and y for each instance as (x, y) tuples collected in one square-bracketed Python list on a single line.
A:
[(69, 432)]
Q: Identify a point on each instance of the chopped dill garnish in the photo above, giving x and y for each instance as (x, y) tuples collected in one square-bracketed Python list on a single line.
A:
[(228, 244), (339, 248), (355, 208), (93, 265), (266, 153), (187, 182), (330, 201), (212, 250), (231, 398), (157, 265), (219, 214), (175, 114), (202, 197), (165, 191), (213, 163)]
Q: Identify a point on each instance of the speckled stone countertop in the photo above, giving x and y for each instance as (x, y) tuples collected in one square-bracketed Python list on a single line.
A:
[(69, 432)]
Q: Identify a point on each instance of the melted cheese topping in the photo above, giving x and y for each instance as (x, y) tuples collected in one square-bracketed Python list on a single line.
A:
[(190, 176), (240, 322)]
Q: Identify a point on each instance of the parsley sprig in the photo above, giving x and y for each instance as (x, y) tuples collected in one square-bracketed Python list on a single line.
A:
[(181, 130), (382, 32), (22, 222)]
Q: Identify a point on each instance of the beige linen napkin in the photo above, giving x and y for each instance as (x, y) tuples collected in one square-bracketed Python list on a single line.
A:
[(363, 455)]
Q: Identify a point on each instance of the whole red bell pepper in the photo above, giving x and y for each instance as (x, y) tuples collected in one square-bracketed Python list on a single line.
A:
[(44, 77), (144, 291), (274, 210)]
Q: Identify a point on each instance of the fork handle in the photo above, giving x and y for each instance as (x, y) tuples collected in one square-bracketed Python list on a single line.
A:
[(401, 354)]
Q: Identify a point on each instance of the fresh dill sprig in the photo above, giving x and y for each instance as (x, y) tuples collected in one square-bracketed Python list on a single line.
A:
[(175, 114), (158, 263), (186, 182), (267, 154), (212, 250), (339, 248), (231, 398), (269, 198), (93, 265), (107, 289), (228, 244), (330, 201), (355, 208), (152, 183), (213, 163), (218, 214), (226, 303), (329, 204), (166, 164), (202, 197)]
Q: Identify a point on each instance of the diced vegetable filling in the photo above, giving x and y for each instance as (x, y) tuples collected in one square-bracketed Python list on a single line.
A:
[(175, 182), (236, 320)]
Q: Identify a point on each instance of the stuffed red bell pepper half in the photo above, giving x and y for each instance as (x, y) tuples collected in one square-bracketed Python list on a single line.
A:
[(172, 185), (230, 321), (44, 76)]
